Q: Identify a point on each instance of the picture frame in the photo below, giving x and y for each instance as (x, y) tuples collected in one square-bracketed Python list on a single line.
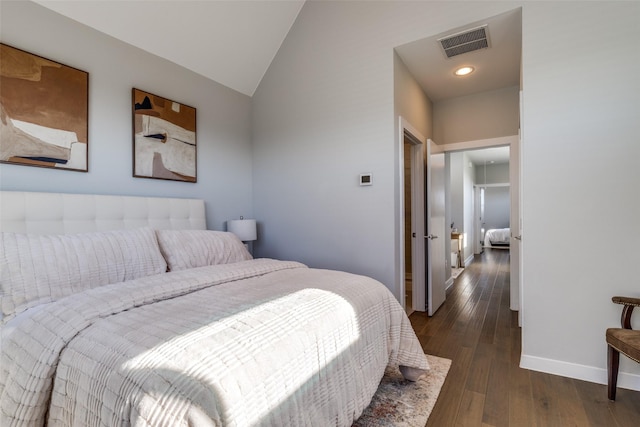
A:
[(164, 138), (44, 107)]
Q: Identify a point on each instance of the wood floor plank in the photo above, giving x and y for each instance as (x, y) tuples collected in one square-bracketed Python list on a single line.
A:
[(476, 329), (470, 413), (521, 412), (479, 376), (496, 407), (445, 412), (626, 408), (596, 404), (568, 407)]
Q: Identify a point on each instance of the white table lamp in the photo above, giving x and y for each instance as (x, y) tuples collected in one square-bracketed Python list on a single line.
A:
[(245, 229)]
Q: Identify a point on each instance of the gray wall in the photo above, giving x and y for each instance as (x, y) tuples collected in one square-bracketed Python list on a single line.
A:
[(497, 173), (479, 116), (496, 207), (415, 107), (456, 190), (468, 208), (410, 101), (324, 113), (462, 177), (580, 149), (223, 117)]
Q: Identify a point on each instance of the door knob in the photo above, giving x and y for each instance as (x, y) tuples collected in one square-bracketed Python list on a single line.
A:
[(431, 236), (518, 237)]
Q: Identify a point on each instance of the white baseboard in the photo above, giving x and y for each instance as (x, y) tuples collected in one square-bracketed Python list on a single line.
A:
[(468, 261), (579, 372), (448, 283)]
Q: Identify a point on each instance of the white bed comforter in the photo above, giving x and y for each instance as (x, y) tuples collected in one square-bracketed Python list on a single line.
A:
[(259, 342), (498, 235)]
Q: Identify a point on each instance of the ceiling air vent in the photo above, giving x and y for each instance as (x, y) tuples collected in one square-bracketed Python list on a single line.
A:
[(465, 41)]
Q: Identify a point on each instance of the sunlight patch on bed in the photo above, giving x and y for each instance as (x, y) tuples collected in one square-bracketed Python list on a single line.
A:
[(282, 344)]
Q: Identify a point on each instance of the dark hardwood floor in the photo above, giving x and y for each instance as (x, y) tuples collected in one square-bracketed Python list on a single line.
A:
[(485, 387)]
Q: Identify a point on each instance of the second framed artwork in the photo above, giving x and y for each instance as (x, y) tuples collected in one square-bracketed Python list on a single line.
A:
[(164, 138)]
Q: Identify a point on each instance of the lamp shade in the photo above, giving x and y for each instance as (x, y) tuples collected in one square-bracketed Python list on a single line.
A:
[(245, 229)]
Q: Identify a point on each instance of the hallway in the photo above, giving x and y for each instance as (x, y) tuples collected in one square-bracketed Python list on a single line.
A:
[(485, 387)]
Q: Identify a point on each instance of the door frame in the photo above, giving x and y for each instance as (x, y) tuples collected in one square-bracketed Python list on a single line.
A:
[(515, 167), (480, 187), (478, 217), (417, 141)]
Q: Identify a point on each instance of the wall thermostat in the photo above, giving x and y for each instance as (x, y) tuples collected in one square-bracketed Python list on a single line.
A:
[(366, 179)]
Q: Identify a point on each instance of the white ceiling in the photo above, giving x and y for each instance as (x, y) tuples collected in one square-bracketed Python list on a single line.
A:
[(233, 43), (230, 42), (493, 155), (495, 67)]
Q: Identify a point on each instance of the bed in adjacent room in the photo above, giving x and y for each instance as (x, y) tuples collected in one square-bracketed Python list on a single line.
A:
[(497, 237), (126, 311)]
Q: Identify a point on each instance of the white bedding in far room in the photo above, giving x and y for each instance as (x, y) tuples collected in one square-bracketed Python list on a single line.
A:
[(497, 236)]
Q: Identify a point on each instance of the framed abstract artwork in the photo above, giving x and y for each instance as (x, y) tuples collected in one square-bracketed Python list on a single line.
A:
[(164, 138), (44, 110)]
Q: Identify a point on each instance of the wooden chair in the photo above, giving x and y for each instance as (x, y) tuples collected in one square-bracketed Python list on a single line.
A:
[(622, 340)]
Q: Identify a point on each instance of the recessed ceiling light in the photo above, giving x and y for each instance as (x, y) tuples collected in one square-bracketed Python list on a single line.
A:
[(464, 71)]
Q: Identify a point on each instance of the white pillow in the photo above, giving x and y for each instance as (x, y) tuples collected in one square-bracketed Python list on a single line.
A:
[(35, 269), (184, 249)]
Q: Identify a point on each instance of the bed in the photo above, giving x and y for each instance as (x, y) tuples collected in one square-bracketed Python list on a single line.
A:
[(499, 237), (131, 315)]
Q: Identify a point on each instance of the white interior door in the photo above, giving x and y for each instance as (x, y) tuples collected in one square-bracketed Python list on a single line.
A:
[(515, 253), (435, 230), (514, 250)]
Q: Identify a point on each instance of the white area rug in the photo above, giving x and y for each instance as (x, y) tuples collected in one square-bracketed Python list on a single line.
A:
[(455, 272), (402, 403)]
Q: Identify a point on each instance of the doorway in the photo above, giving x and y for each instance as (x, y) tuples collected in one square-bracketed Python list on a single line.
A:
[(471, 111), (490, 178), (408, 228), (412, 214)]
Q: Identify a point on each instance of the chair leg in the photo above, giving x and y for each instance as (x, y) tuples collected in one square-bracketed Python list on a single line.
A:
[(613, 362)]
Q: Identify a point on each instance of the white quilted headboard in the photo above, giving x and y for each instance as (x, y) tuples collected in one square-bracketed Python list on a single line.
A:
[(62, 213)]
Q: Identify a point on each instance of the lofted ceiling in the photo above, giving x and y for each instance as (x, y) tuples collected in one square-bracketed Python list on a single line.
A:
[(230, 42), (233, 43)]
